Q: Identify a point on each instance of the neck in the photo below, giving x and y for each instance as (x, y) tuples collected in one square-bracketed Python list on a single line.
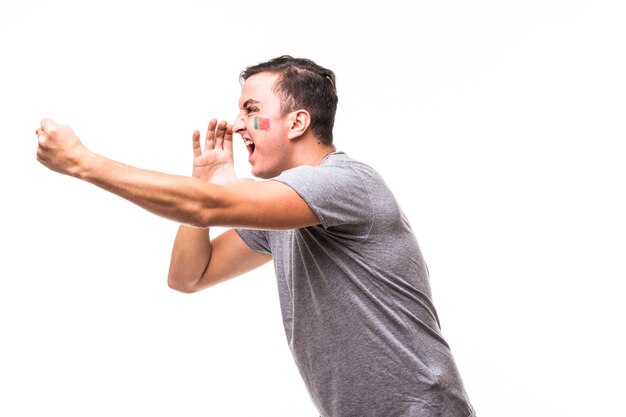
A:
[(311, 153)]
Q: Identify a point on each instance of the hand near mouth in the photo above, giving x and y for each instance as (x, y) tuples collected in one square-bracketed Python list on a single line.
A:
[(215, 162)]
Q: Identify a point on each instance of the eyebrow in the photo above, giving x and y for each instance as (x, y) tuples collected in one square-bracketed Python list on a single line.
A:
[(248, 102)]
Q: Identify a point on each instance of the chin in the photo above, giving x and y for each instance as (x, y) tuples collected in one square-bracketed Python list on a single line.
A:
[(264, 174), (267, 169), (258, 173)]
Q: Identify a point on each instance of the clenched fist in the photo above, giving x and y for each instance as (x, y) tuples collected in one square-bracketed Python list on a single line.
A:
[(59, 148)]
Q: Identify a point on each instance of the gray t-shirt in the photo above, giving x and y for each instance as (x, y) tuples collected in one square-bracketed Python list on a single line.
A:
[(356, 302)]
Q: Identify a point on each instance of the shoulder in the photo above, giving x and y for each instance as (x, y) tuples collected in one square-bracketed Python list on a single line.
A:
[(336, 169), (338, 191)]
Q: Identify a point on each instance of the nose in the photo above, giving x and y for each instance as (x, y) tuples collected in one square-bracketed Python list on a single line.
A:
[(239, 126)]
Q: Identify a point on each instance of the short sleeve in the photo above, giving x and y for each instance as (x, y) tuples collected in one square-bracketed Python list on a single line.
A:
[(256, 239), (336, 194)]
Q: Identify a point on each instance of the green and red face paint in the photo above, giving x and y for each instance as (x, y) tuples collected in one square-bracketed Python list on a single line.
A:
[(261, 123)]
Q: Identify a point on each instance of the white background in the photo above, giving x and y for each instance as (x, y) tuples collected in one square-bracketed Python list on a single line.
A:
[(498, 124)]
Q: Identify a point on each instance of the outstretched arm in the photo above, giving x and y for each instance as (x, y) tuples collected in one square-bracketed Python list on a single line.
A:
[(192, 201)]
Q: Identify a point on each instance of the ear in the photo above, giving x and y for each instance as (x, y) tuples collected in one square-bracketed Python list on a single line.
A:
[(299, 121)]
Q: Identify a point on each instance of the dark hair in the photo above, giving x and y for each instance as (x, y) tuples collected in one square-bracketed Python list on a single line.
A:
[(302, 84)]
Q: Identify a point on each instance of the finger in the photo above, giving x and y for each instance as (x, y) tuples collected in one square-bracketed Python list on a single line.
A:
[(197, 150), (219, 136), (210, 135), (41, 138), (228, 139)]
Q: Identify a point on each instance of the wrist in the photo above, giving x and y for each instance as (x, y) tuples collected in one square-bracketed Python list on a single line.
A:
[(86, 163)]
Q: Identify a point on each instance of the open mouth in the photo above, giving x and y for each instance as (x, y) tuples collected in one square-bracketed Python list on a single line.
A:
[(250, 146)]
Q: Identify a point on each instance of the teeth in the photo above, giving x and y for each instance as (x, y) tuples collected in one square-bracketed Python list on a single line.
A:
[(248, 142)]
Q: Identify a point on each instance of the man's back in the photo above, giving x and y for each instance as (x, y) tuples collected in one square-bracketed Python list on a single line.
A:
[(356, 301)]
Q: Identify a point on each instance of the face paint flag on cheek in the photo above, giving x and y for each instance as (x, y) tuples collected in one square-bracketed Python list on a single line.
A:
[(261, 123)]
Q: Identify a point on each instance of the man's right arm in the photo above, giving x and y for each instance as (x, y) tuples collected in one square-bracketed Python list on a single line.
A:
[(198, 262)]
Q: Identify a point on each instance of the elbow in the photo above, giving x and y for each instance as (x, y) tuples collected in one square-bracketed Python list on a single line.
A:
[(180, 285)]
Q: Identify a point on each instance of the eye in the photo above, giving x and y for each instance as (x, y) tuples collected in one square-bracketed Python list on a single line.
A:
[(250, 110)]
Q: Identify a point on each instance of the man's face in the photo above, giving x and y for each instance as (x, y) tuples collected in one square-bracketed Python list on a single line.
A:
[(263, 126)]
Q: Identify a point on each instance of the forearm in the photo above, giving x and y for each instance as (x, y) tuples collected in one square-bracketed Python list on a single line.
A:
[(190, 258), (185, 200)]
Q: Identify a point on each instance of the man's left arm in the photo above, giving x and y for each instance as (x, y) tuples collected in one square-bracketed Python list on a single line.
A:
[(248, 204)]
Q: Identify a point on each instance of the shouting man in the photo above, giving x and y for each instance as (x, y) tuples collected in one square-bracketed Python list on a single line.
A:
[(354, 291)]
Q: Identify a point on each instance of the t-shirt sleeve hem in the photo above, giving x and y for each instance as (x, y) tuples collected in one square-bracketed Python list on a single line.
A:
[(306, 200), (249, 239)]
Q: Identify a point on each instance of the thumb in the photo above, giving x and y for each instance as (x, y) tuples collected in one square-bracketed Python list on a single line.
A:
[(48, 125)]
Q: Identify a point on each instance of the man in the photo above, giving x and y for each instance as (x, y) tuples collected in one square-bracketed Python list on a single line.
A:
[(353, 286)]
